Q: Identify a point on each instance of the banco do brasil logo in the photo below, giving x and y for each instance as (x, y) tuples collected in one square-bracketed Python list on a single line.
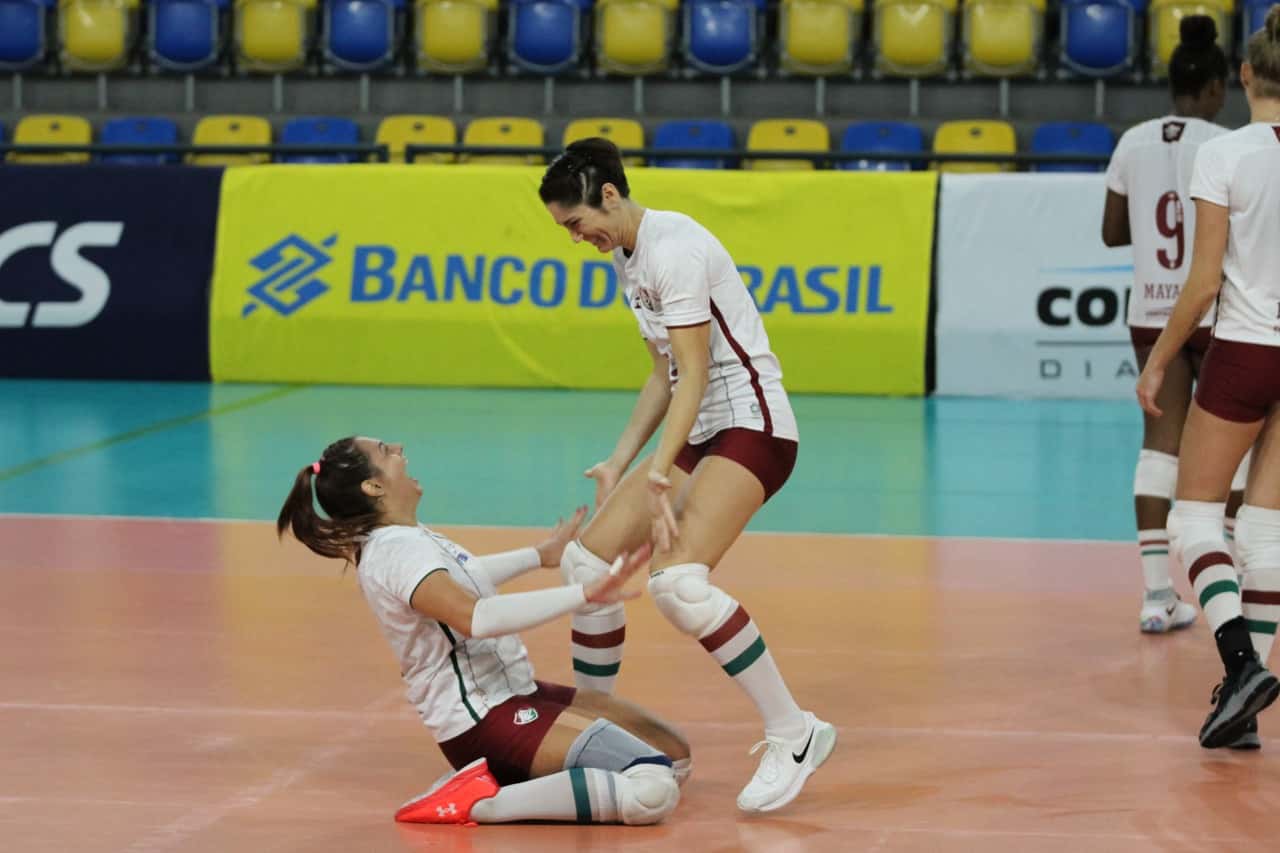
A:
[(288, 281)]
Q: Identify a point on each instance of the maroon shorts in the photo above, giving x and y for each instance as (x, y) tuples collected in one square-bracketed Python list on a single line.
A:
[(1239, 382), (1198, 343), (770, 458), (510, 734)]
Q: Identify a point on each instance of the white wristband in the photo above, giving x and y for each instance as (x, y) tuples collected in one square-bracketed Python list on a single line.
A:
[(499, 615), (502, 567)]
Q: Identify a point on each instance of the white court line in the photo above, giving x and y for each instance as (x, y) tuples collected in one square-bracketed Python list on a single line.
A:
[(435, 524), (374, 714)]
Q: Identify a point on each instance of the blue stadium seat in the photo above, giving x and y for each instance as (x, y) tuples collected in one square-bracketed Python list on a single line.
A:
[(1072, 137), (1098, 36), (720, 35), (139, 131), (891, 137), (544, 36), (3, 134), (320, 131), (24, 38), (1255, 15), (186, 35), (711, 135), (361, 35)]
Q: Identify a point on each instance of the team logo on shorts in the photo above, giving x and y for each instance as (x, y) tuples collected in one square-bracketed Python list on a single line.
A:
[(525, 716)]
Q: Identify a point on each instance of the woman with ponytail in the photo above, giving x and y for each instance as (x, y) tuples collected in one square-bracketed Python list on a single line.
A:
[(523, 749), (1236, 264), (1148, 205)]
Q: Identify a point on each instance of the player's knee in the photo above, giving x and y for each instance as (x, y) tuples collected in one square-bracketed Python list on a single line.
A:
[(607, 746), (1258, 538), (686, 597), (646, 794), (1195, 522), (578, 565), (1156, 475)]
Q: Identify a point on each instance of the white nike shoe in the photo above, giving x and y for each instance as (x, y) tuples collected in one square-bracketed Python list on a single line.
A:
[(1164, 611), (786, 765)]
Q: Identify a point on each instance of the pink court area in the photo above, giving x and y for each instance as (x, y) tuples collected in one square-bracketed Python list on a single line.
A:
[(196, 686)]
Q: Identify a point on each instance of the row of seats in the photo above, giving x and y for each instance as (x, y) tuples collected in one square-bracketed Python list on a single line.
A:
[(636, 37), (888, 138)]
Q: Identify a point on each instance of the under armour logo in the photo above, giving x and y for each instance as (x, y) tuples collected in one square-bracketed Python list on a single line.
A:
[(446, 811)]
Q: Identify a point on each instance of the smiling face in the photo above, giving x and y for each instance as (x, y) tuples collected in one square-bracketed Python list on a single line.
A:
[(390, 485), (603, 227)]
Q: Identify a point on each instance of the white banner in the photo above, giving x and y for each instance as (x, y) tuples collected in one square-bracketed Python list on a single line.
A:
[(1030, 302)]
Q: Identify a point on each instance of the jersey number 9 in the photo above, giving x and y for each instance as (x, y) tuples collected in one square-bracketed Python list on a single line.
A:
[(1169, 224)]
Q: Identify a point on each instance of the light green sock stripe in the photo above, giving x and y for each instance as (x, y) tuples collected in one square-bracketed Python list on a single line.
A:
[(581, 799), (1218, 587), (1155, 551), (1257, 626), (601, 669), (747, 658)]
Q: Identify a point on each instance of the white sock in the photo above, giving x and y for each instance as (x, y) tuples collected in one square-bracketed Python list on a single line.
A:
[(598, 632), (582, 795), (1153, 546), (1261, 599)]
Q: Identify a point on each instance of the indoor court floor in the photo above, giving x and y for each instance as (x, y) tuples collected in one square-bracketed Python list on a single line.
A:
[(950, 582)]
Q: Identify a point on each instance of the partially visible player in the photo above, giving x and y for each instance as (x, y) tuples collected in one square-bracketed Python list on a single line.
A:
[(524, 749), (1236, 187), (1148, 205)]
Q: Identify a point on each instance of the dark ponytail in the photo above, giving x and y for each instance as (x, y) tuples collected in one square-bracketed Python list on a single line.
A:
[(1197, 60), (352, 514)]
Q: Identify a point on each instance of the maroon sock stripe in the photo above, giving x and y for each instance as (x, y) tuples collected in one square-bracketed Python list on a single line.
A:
[(1257, 596), (1153, 541), (746, 362), (600, 641), (1213, 558), (727, 631)]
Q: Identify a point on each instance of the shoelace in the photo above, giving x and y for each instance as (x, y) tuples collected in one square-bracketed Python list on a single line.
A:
[(769, 764)]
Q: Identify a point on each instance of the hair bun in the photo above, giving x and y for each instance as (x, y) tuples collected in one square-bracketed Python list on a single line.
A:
[(1198, 32)]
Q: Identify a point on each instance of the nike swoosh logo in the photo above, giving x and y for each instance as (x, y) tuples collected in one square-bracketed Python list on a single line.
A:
[(800, 758), (1170, 609)]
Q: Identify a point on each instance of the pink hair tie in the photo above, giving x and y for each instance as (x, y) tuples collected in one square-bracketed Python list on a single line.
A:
[(315, 467)]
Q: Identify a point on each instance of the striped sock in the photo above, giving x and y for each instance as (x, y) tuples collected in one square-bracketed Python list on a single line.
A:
[(581, 795), (737, 646), (1262, 608), (597, 640), (1153, 546), (1213, 577), (1229, 534)]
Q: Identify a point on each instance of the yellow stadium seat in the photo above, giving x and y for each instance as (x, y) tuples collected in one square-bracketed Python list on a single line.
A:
[(272, 35), (51, 130), (634, 36), (912, 37), (453, 36), (623, 132), (1002, 37), (503, 131), (96, 35), (398, 131), (819, 36), (786, 135), (230, 130), (1164, 19), (975, 137)]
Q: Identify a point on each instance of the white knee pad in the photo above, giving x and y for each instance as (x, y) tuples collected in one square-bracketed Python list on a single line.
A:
[(646, 794), (1258, 538), (578, 565), (1196, 522), (1241, 479), (1156, 475), (688, 600)]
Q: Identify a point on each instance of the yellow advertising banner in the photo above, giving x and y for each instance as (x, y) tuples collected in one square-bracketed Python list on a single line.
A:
[(457, 275)]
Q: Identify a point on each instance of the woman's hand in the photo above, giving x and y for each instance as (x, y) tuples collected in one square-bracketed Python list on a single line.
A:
[(608, 588), (606, 474), (665, 529), (1149, 388), (550, 551)]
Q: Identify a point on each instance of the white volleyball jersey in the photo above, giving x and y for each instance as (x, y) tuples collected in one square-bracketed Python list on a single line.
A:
[(1152, 166), (680, 275), (452, 681), (1241, 172)]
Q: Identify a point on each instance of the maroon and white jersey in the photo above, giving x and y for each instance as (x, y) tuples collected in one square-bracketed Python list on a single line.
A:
[(680, 275), (1152, 166), (1241, 172)]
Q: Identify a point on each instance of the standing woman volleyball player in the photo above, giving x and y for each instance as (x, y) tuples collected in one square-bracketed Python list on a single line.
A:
[(729, 443), (1149, 205), (524, 749), (1236, 187)]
